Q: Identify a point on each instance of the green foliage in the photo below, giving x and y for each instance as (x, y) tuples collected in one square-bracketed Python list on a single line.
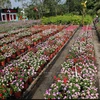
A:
[(60, 7), (5, 3), (67, 19), (98, 12)]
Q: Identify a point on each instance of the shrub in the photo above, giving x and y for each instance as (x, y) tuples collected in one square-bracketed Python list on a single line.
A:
[(67, 19)]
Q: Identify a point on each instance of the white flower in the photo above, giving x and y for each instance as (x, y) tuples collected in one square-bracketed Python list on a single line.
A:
[(17, 84), (73, 90)]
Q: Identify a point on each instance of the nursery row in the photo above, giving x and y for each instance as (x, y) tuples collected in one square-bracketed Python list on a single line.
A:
[(23, 32), (16, 48), (18, 74), (76, 79)]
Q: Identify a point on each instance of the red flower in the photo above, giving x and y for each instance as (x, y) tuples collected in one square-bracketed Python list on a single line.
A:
[(55, 78), (80, 59), (67, 57), (0, 94), (78, 69), (73, 68), (75, 60), (58, 79), (83, 39), (94, 58), (65, 80)]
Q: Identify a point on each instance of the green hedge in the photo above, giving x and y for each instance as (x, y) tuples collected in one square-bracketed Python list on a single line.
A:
[(67, 19)]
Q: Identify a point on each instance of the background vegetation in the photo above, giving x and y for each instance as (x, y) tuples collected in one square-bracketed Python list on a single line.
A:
[(62, 9), (67, 19)]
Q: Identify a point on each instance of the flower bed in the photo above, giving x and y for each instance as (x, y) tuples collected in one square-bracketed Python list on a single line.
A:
[(18, 47), (77, 76), (18, 75)]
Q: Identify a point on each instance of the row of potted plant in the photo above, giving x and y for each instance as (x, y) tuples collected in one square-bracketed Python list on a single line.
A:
[(21, 33), (27, 33), (17, 36), (17, 76), (12, 32), (16, 48), (76, 79)]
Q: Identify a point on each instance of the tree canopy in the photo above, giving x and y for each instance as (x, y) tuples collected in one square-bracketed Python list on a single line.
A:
[(55, 7), (5, 4)]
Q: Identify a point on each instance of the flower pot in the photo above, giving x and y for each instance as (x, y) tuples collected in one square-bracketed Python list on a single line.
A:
[(28, 47), (29, 67), (51, 56), (13, 56), (18, 94), (56, 50), (3, 98), (8, 59), (34, 43), (2, 63), (30, 79), (22, 50), (39, 41), (54, 54), (42, 66), (25, 85), (18, 53), (39, 70), (11, 92)]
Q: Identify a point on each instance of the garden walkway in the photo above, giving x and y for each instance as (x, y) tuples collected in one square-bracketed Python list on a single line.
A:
[(97, 55)]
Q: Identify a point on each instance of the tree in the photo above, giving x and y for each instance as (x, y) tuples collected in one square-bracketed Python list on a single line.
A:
[(73, 6), (55, 7), (5, 4)]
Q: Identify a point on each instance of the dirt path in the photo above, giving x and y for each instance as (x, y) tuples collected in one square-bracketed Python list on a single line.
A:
[(97, 55), (48, 76)]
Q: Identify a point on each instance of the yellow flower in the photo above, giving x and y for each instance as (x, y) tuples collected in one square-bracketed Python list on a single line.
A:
[(84, 4)]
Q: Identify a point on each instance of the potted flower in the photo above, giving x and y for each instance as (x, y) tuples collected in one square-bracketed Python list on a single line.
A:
[(13, 51), (2, 60), (3, 92), (17, 86), (35, 39), (28, 43), (24, 78), (31, 74), (8, 56)]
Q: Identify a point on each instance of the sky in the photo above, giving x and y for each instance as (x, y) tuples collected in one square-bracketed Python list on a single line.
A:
[(18, 4), (15, 4)]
